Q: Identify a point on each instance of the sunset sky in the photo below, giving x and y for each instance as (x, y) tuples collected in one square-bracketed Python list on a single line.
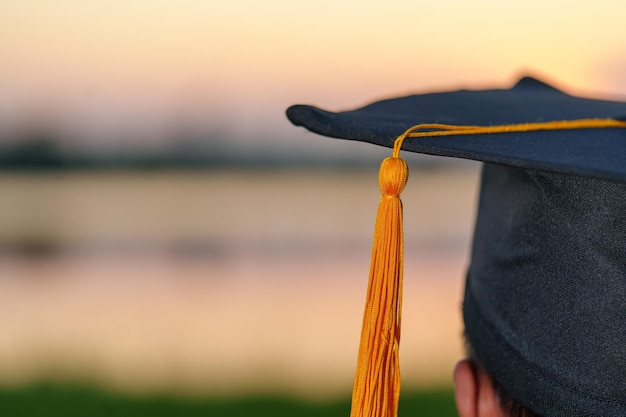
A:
[(108, 72), (172, 279)]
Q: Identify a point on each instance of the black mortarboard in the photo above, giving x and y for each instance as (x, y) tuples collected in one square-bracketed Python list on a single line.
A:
[(545, 299)]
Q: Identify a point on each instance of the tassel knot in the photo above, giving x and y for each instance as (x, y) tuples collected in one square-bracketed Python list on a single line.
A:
[(392, 176)]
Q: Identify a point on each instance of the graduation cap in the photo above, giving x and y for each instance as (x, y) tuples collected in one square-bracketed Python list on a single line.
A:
[(545, 298)]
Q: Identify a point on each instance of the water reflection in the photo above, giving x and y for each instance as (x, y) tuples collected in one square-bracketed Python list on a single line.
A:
[(219, 282)]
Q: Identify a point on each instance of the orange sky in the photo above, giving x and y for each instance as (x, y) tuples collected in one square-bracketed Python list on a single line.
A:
[(135, 66)]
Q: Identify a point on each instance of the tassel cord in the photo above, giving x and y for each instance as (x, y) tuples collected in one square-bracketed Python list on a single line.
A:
[(437, 129)]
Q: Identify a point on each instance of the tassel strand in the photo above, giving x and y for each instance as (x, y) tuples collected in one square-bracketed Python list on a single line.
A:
[(377, 382)]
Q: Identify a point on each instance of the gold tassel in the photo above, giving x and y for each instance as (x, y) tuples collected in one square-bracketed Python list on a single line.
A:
[(377, 382)]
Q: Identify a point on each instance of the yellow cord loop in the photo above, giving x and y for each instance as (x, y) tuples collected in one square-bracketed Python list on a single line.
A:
[(377, 382), (435, 129)]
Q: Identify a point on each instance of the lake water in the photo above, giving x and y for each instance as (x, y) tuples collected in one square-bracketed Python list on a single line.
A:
[(221, 282)]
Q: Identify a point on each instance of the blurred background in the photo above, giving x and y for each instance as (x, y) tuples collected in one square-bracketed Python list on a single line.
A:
[(165, 233)]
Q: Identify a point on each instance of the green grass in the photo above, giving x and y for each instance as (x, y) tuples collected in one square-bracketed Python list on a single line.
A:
[(72, 401)]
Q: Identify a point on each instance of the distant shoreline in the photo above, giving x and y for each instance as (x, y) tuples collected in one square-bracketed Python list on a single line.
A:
[(208, 164)]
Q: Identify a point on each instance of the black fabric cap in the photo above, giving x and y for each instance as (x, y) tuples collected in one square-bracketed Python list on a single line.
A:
[(545, 300)]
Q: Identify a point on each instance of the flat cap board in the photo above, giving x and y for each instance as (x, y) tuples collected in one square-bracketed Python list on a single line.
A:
[(590, 152)]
